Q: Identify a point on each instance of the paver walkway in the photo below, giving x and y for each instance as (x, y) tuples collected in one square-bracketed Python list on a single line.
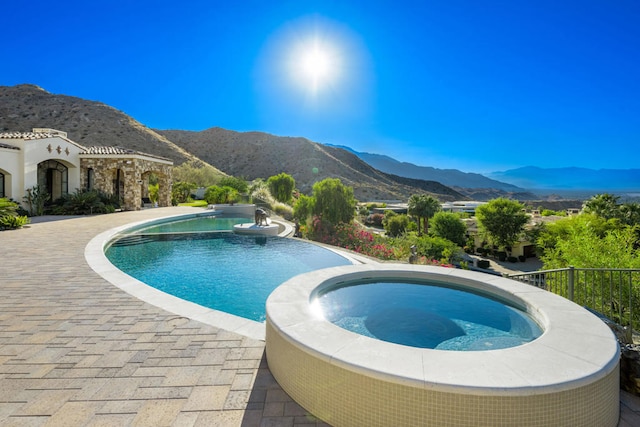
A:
[(77, 351)]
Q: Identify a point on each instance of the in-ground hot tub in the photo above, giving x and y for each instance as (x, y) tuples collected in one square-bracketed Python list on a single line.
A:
[(569, 375)]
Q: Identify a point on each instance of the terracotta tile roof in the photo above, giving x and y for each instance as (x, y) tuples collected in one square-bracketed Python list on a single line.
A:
[(112, 150), (108, 150), (27, 135), (120, 151)]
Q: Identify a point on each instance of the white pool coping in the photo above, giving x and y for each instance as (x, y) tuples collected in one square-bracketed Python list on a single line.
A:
[(95, 256), (575, 348)]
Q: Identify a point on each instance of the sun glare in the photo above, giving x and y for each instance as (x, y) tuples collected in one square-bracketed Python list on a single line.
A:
[(315, 65)]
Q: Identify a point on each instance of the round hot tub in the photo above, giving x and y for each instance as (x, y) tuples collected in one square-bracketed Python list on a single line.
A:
[(561, 370)]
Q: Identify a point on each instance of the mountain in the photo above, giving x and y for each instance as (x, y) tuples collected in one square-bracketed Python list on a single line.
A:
[(572, 178), (260, 155), (450, 177), (249, 154), (89, 123)]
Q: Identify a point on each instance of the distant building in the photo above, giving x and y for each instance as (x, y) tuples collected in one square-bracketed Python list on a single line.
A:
[(462, 206), (48, 159)]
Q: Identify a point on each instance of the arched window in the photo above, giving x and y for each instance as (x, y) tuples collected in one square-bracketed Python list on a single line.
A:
[(53, 177), (2, 194)]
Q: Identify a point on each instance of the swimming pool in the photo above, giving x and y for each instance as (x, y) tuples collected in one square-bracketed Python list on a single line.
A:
[(219, 270), (426, 314), (193, 224)]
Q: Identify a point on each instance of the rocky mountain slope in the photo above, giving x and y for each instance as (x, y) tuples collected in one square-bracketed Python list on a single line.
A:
[(90, 123), (258, 155), (250, 155)]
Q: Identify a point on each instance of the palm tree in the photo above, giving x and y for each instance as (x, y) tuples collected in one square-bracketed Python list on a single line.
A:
[(423, 207), (603, 205), (630, 213)]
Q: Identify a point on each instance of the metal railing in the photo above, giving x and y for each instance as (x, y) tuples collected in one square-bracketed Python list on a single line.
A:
[(612, 292)]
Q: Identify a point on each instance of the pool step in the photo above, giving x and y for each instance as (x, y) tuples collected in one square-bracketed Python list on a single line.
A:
[(133, 239)]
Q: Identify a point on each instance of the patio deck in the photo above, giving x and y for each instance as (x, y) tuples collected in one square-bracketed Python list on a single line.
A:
[(77, 351)]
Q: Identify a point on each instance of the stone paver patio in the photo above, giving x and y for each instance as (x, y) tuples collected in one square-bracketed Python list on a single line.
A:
[(77, 351)]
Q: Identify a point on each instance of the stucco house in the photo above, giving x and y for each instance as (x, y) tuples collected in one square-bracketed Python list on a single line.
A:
[(49, 159)]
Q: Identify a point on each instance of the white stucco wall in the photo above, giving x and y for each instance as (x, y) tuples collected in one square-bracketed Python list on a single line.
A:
[(20, 166), (55, 148), (11, 165)]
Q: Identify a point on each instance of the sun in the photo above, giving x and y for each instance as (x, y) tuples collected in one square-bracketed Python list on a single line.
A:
[(315, 65)]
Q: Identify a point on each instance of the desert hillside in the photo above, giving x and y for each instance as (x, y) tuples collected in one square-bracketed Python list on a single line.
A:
[(90, 123), (246, 154), (258, 155)]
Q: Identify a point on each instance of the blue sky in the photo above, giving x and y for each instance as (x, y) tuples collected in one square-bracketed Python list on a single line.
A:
[(478, 86)]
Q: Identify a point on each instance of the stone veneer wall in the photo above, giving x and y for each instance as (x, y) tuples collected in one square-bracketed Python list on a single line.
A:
[(133, 168)]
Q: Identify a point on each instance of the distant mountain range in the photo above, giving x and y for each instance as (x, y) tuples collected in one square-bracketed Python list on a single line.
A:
[(451, 177), (572, 178), (518, 182)]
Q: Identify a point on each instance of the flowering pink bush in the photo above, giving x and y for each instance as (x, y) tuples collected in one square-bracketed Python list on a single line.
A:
[(426, 261), (350, 236)]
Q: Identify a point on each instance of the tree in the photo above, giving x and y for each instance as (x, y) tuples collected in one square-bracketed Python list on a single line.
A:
[(552, 234), (449, 226), (215, 194), (583, 247), (281, 187), (630, 213), (181, 191), (303, 208), (333, 201), (154, 190), (436, 248), (238, 183), (395, 224), (502, 220), (423, 207), (604, 205), (202, 175)]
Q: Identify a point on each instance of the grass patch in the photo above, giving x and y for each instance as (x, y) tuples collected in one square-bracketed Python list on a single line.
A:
[(195, 204)]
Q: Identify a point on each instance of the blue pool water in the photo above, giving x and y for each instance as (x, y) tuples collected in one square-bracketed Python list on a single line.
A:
[(194, 224), (219, 270), (427, 315)]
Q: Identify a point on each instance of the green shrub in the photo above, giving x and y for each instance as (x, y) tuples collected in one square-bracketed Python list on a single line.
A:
[(215, 194), (374, 219), (11, 222), (436, 247), (284, 210), (85, 202), (233, 182), (35, 198), (9, 218), (396, 225), (7, 207)]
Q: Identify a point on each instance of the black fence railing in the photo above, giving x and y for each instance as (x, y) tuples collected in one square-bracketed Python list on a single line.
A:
[(613, 292)]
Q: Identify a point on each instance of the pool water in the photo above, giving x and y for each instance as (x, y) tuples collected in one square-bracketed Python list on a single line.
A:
[(427, 315), (220, 270), (200, 223)]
